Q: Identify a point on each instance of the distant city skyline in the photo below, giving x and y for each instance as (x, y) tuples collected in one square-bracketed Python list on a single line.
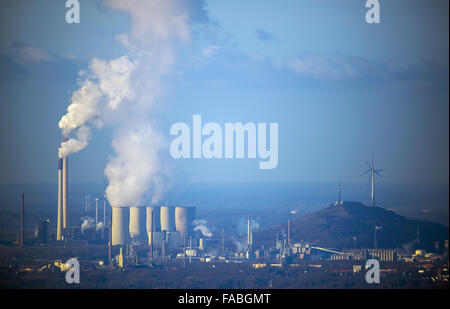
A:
[(339, 88)]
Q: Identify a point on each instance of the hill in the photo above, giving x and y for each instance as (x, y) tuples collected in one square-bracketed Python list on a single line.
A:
[(335, 227)]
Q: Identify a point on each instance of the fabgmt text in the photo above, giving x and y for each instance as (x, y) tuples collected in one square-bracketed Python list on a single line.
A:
[(235, 298)]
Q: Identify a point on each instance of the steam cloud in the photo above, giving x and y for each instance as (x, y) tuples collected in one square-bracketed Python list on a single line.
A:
[(88, 223), (201, 225), (125, 91)]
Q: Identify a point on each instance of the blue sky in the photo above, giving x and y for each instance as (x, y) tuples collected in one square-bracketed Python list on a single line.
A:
[(340, 89)]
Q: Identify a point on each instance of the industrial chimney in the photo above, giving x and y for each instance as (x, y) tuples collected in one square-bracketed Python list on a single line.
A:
[(59, 219), (65, 162), (137, 223), (120, 226)]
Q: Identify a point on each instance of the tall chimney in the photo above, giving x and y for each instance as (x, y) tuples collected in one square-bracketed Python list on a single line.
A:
[(289, 232), (22, 219), (59, 219), (64, 192), (96, 210), (248, 231), (104, 211)]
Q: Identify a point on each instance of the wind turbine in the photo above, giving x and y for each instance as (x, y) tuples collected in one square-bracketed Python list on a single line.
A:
[(372, 171)]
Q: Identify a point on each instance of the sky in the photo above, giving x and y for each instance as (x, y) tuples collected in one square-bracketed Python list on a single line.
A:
[(339, 88)]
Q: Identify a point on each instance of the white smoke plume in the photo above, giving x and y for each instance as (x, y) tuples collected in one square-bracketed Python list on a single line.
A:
[(135, 167), (75, 144), (99, 226), (88, 223), (201, 225), (241, 245), (107, 82), (125, 92)]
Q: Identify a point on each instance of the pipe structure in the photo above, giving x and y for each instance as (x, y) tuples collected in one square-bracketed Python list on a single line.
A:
[(120, 226), (59, 219)]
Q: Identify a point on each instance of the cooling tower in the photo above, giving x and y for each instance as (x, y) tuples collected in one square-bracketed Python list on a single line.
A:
[(120, 226), (64, 192), (59, 219), (167, 218), (153, 215), (137, 224), (184, 216)]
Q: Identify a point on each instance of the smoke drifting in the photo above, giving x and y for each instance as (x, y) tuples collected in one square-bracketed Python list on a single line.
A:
[(200, 225), (106, 82), (125, 91), (88, 223)]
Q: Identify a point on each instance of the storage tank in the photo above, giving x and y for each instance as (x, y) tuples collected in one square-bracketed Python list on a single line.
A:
[(167, 218), (138, 231), (120, 226), (184, 216)]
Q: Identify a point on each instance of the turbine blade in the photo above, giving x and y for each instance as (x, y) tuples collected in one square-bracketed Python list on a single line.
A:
[(365, 172), (380, 170), (370, 167), (378, 174), (370, 177)]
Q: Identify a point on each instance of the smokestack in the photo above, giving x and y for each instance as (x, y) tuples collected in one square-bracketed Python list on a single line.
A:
[(223, 242), (22, 219), (339, 191), (289, 232), (120, 226), (184, 216), (248, 231), (167, 218), (96, 210), (137, 223), (59, 219), (104, 210), (64, 192)]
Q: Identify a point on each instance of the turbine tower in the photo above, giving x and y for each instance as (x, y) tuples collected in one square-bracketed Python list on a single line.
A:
[(372, 171)]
